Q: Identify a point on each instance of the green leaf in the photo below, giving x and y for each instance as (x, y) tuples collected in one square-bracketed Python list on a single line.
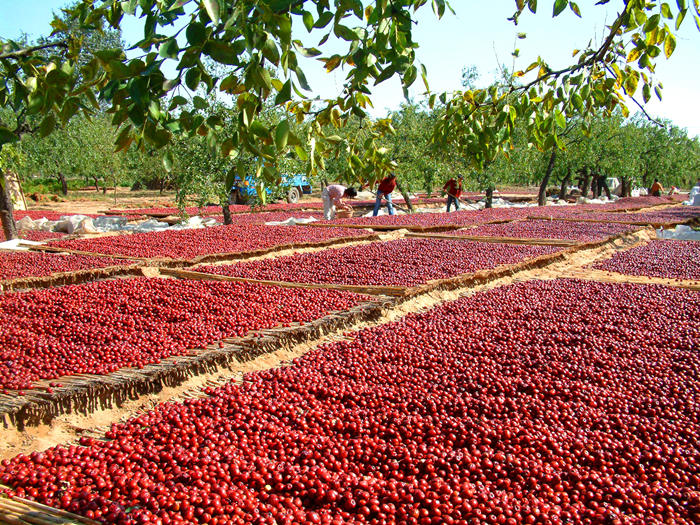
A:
[(559, 119), (657, 91), (646, 93), (302, 79), (222, 52), (669, 45), (212, 7), (575, 9), (301, 153), (6, 136), (196, 33), (285, 93), (323, 20), (47, 125), (631, 83), (259, 129), (666, 11), (199, 103), (192, 78), (577, 101), (169, 49), (559, 6), (281, 135), (168, 161), (270, 51), (345, 33), (680, 18), (308, 20)]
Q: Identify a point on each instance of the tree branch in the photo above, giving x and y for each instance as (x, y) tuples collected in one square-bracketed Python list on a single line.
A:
[(20, 53), (596, 56)]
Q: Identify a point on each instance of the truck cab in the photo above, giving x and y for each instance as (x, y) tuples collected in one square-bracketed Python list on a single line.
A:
[(294, 187)]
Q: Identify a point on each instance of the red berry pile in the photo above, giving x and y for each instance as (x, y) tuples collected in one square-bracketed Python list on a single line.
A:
[(100, 327), (544, 229), (186, 244), (541, 402), (405, 262), (17, 264), (660, 258)]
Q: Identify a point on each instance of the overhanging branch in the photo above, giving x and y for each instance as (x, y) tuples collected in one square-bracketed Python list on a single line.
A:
[(27, 51)]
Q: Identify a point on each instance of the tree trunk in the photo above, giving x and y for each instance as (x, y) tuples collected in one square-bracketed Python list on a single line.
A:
[(564, 184), (405, 196), (489, 197), (6, 210), (626, 189), (64, 184), (594, 185), (324, 183), (227, 212), (542, 195), (97, 183), (586, 182), (603, 183)]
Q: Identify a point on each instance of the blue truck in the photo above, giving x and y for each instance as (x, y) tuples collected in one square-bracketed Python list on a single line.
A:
[(294, 187)]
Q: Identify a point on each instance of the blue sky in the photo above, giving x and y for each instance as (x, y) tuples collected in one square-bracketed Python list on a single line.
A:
[(478, 34)]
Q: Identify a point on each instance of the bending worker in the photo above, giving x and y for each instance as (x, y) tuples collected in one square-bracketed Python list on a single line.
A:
[(656, 189), (453, 188), (386, 186), (332, 197)]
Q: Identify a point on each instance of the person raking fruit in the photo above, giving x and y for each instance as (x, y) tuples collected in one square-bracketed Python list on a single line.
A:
[(332, 197), (453, 188), (386, 186)]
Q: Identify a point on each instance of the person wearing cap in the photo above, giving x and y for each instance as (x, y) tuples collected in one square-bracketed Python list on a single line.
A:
[(332, 197), (453, 188), (386, 186)]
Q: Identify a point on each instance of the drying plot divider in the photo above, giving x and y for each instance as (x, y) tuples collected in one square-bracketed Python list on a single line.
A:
[(393, 291), (657, 225), (71, 277), (605, 276), (16, 510), (504, 240)]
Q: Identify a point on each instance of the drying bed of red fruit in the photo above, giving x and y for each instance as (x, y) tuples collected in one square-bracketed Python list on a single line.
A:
[(45, 214), (544, 229), (404, 262), (100, 327), (171, 210), (16, 264), (541, 402), (669, 259), (187, 244), (32, 235), (270, 216), (669, 215), (459, 218)]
